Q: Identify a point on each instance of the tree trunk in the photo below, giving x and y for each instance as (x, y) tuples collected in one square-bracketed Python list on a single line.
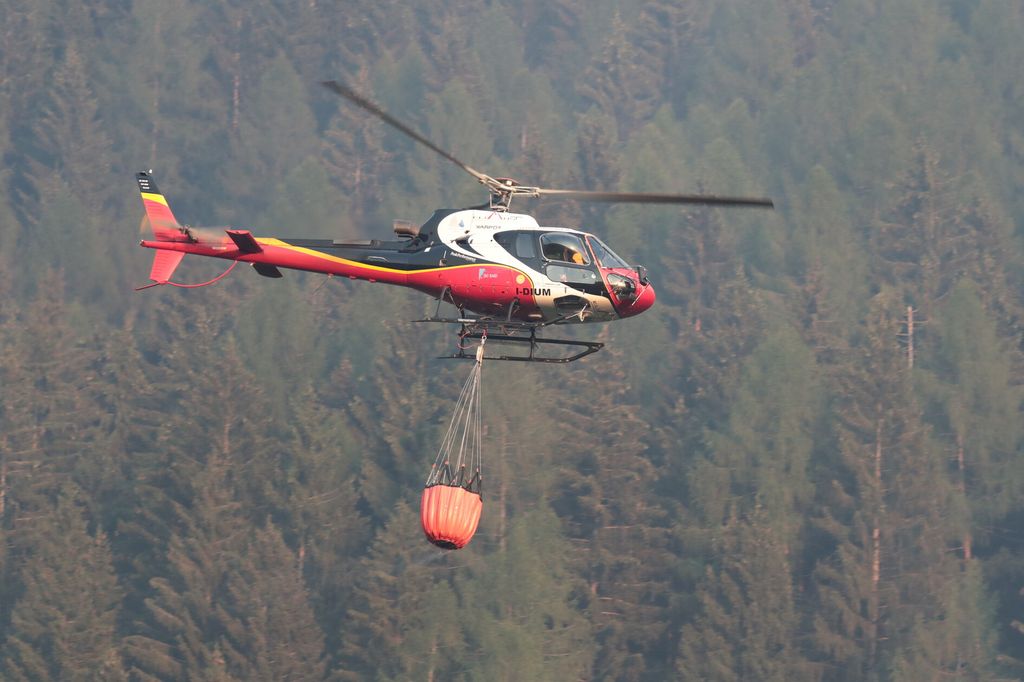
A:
[(876, 548), (963, 491)]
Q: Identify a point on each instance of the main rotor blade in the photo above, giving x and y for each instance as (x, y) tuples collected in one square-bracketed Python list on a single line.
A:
[(351, 95), (646, 198)]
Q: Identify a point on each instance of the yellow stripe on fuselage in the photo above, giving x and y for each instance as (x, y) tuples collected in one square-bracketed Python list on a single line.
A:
[(272, 241), (158, 198)]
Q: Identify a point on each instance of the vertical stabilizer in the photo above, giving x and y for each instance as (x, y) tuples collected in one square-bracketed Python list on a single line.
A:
[(165, 225)]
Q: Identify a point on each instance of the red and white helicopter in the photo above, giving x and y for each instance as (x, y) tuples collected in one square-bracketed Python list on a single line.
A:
[(507, 276)]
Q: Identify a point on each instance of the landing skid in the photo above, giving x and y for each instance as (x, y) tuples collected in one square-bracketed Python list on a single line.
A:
[(531, 342), (478, 328)]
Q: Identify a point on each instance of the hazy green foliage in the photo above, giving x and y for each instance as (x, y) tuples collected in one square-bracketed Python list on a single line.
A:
[(771, 475)]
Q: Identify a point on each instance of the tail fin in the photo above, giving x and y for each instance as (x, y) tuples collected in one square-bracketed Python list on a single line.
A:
[(165, 225), (165, 228)]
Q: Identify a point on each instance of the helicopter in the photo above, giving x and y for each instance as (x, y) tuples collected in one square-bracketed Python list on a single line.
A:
[(506, 275)]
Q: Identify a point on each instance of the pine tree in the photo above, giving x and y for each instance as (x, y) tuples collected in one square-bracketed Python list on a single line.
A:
[(167, 69), (230, 601), (884, 591), (69, 137), (355, 158), (63, 622), (212, 480), (969, 379), (960, 644), (270, 630), (609, 85), (520, 616), (50, 422), (66, 201), (753, 480), (763, 453), (396, 420), (275, 128), (748, 622), (935, 232), (321, 516), (180, 633), (403, 620), (637, 69), (828, 257), (619, 527)]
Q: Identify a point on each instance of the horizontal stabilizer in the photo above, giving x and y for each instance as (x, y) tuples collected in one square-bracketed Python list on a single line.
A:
[(164, 263), (245, 242)]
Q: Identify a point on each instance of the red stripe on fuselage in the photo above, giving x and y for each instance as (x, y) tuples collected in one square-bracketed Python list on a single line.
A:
[(481, 288), (484, 288)]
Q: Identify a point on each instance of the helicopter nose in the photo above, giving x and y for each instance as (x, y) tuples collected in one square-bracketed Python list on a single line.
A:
[(643, 301)]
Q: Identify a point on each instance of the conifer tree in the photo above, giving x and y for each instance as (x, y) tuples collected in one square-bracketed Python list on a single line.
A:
[(521, 617), (276, 127), (396, 420), (977, 405), (167, 69), (935, 232), (50, 425), (828, 256), (636, 70), (213, 479), (63, 622), (763, 453), (885, 589), (609, 78), (321, 517), (748, 621), (230, 601), (619, 526), (69, 137), (270, 630), (404, 620), (960, 644), (354, 156)]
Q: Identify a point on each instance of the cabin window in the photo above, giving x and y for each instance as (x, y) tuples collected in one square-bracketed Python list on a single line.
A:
[(522, 245), (526, 245), (506, 240)]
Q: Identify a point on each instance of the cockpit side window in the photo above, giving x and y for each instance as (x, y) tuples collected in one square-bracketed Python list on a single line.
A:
[(564, 247)]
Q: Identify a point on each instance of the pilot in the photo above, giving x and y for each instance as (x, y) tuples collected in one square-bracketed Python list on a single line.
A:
[(573, 256)]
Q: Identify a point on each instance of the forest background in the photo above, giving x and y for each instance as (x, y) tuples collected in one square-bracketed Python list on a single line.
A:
[(770, 475)]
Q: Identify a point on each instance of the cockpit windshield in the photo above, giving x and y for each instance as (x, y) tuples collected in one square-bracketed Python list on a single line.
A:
[(606, 258)]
